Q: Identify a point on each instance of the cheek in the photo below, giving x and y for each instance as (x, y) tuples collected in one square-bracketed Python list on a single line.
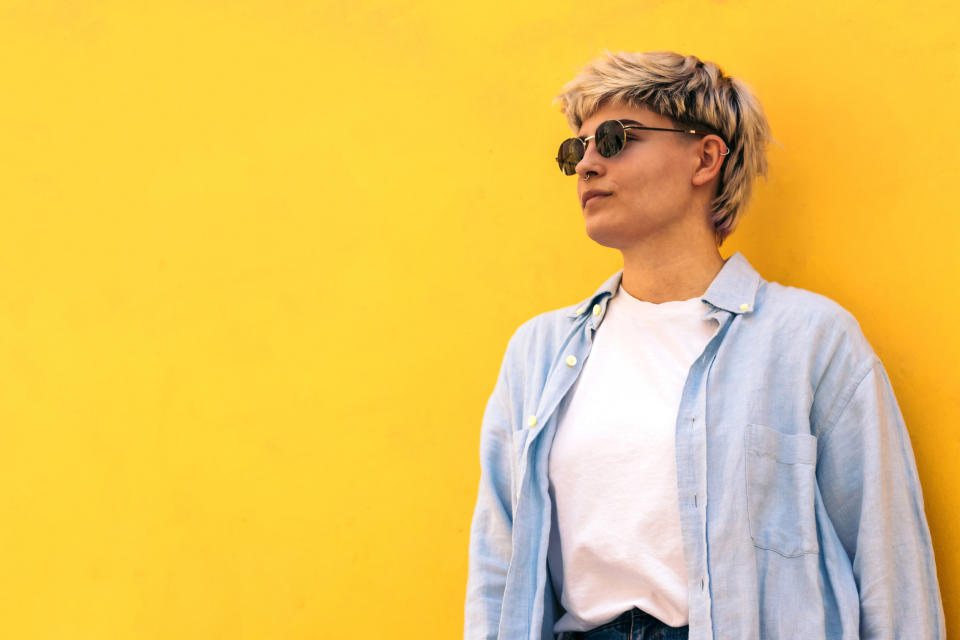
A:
[(650, 186), (666, 178), (653, 175)]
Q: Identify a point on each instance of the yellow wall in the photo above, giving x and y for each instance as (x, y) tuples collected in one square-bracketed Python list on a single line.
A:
[(260, 261)]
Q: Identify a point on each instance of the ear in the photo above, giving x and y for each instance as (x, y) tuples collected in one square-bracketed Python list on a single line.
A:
[(711, 153)]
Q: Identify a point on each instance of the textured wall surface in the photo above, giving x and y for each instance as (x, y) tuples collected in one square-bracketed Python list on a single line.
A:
[(260, 262)]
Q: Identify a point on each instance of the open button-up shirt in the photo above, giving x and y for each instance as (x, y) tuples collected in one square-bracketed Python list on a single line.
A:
[(801, 510)]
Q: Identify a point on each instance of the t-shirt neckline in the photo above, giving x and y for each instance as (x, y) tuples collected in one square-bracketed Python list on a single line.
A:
[(670, 307)]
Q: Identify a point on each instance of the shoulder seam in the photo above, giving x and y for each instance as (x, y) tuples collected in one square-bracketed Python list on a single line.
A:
[(832, 423)]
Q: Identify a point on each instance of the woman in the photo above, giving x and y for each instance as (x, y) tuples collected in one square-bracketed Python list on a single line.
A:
[(730, 460)]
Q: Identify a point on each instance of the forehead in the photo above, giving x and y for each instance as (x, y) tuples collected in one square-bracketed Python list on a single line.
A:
[(622, 112)]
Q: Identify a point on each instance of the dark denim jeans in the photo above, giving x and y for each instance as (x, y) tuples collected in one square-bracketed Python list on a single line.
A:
[(629, 625)]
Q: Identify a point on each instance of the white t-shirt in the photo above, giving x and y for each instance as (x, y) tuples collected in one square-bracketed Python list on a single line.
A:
[(615, 540)]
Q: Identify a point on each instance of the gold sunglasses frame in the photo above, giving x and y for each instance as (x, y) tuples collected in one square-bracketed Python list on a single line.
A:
[(584, 140)]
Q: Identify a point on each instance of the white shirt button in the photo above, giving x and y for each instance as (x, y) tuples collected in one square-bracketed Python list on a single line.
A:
[(745, 307), (581, 310), (532, 421), (596, 309), (571, 360)]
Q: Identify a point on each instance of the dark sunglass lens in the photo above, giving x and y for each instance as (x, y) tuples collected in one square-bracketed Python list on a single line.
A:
[(571, 152), (609, 138)]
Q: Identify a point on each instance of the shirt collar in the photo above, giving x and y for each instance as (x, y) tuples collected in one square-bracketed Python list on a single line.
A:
[(733, 289)]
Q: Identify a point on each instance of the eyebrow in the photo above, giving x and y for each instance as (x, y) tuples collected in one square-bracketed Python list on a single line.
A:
[(623, 121)]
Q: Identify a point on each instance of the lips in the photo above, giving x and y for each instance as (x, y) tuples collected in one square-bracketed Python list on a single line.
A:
[(587, 195)]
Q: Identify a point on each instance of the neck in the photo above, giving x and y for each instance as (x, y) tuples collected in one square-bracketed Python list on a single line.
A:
[(665, 273)]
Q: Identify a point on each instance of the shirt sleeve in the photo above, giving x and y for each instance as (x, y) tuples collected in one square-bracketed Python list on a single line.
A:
[(868, 479), (492, 523)]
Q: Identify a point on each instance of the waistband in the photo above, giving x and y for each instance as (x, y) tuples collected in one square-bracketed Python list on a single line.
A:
[(635, 619)]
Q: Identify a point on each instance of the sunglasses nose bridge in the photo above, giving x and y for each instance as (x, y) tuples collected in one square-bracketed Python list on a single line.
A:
[(584, 152), (611, 141), (584, 148), (585, 144)]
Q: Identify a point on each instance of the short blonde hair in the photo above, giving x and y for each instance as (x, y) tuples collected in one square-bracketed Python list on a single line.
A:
[(691, 93)]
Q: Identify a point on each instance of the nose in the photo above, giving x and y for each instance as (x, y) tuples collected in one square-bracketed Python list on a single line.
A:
[(591, 161)]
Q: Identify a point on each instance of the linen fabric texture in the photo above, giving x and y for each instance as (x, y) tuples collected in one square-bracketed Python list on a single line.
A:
[(801, 510)]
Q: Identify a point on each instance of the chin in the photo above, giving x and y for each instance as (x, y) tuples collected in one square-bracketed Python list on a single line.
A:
[(605, 235)]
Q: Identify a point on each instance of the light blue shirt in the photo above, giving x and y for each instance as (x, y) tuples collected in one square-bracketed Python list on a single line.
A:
[(800, 507)]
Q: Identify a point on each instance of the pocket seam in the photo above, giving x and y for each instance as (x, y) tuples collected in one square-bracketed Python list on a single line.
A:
[(751, 448), (802, 449)]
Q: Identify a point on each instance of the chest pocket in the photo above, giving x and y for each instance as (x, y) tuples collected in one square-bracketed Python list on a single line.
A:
[(780, 478)]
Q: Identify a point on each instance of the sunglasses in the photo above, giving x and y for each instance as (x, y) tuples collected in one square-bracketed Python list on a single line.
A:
[(611, 138)]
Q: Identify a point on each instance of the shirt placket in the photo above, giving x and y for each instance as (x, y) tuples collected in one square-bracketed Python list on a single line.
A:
[(568, 364), (691, 446)]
